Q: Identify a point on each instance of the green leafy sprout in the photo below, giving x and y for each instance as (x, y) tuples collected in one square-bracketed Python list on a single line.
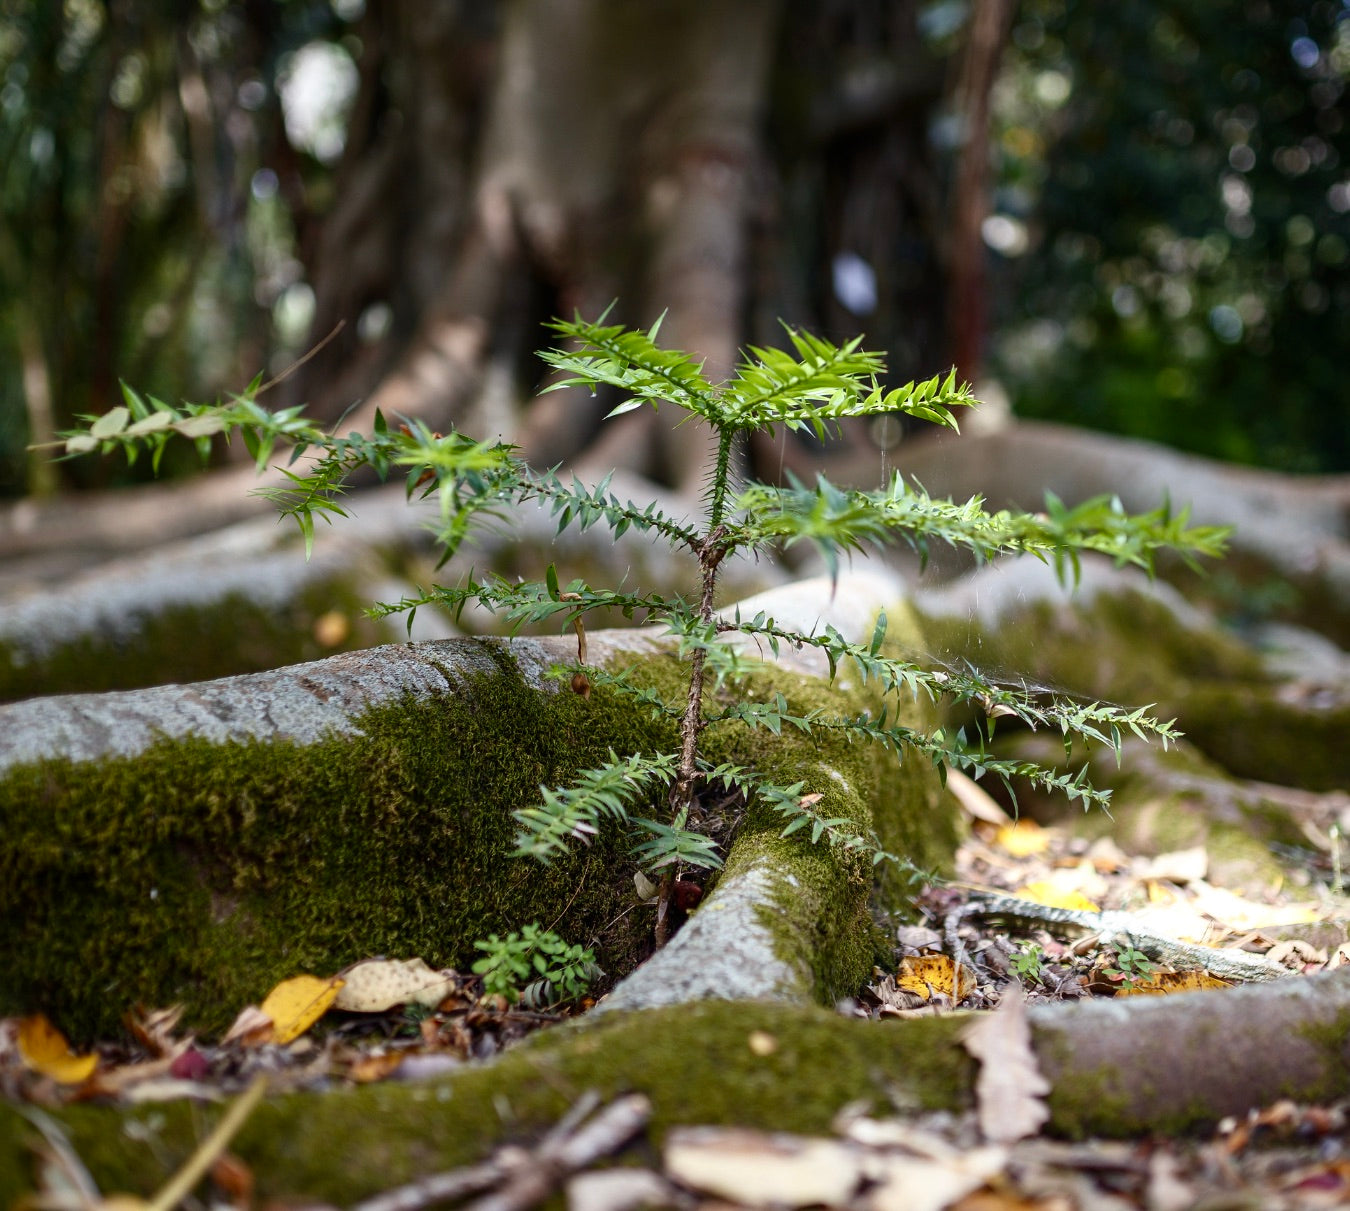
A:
[(1132, 967), (1028, 964), (810, 388), (535, 967)]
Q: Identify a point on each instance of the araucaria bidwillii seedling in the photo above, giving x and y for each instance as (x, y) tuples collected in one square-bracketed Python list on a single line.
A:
[(813, 388)]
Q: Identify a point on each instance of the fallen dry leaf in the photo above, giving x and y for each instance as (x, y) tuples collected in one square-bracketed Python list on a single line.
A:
[(927, 976), (1241, 914), (296, 1004), (1164, 983), (250, 1028), (761, 1170), (1056, 895), (615, 1189), (1010, 1089), (1107, 857), (375, 985), (1023, 838), (44, 1049), (154, 1029), (908, 1184), (975, 801), (367, 1069), (1178, 866)]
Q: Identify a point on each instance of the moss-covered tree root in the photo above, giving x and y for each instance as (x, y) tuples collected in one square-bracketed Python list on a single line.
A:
[(1116, 1068), (197, 844)]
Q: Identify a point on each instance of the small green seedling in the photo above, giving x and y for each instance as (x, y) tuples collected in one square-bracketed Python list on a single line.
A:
[(1028, 964), (535, 967), (1132, 967)]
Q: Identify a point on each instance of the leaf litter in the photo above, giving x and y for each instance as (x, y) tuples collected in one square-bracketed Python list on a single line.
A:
[(386, 1019)]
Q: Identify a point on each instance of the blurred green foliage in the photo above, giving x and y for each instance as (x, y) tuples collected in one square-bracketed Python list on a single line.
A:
[(147, 195), (1175, 208), (1172, 220)]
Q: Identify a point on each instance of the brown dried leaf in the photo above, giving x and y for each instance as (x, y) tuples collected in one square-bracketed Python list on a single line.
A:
[(1010, 1089)]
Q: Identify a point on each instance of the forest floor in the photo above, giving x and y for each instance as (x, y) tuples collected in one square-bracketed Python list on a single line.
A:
[(1279, 1156)]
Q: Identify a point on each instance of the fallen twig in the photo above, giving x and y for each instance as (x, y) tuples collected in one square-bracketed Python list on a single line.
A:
[(525, 1177)]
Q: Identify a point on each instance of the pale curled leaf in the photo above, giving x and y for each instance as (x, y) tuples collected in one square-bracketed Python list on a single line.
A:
[(1010, 1090), (375, 985), (906, 1183), (757, 1169), (205, 425), (81, 443)]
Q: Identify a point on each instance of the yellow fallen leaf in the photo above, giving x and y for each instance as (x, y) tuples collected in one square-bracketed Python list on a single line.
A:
[(1163, 983), (927, 975), (296, 1004), (44, 1049), (1241, 914), (1055, 896), (1023, 838)]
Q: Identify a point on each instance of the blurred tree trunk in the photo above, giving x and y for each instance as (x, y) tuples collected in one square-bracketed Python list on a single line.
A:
[(707, 161)]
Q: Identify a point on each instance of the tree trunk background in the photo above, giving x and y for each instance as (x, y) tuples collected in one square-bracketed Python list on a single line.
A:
[(709, 162)]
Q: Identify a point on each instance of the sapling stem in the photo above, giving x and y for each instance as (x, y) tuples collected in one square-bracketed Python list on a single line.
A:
[(710, 554)]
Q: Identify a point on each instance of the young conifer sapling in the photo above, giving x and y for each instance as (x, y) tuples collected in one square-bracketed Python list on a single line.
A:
[(812, 386)]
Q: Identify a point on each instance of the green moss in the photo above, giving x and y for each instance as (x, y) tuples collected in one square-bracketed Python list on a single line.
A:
[(694, 1062), (192, 643), (1256, 734), (202, 874), (1129, 648), (1091, 1103), (1329, 1038)]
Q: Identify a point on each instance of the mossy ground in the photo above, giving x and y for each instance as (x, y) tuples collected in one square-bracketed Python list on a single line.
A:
[(695, 1063), (183, 643), (1130, 649), (204, 874)]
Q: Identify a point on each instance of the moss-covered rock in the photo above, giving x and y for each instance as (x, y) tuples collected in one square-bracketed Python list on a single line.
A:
[(1166, 800), (194, 642), (1117, 1067), (1121, 639), (695, 1062), (310, 825)]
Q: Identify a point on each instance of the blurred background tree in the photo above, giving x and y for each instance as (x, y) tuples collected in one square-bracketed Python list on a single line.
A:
[(1175, 213), (194, 192)]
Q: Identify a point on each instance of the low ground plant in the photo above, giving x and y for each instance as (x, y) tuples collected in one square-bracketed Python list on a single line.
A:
[(811, 386), (536, 967)]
